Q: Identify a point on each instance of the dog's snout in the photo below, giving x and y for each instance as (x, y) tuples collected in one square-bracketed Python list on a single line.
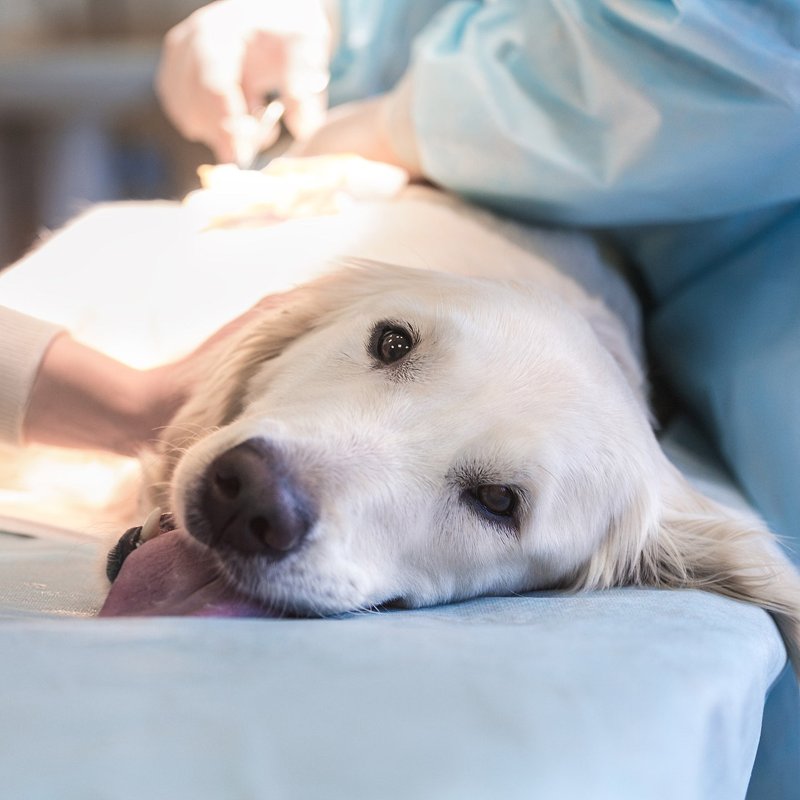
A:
[(251, 503)]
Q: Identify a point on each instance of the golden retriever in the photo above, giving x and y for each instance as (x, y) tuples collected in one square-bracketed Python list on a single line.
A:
[(471, 422), (415, 437)]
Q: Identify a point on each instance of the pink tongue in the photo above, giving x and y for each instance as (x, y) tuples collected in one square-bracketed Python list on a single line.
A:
[(172, 575)]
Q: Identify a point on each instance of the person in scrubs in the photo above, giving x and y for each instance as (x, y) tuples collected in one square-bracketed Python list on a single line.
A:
[(673, 127)]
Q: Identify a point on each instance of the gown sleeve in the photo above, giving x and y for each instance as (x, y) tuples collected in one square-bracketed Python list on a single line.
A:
[(610, 112)]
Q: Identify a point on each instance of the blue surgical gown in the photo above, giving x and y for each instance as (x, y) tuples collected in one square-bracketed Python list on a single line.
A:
[(674, 126)]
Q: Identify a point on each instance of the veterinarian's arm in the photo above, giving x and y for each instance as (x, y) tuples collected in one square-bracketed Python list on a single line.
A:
[(82, 398), (606, 113), (218, 65), (379, 129), (23, 342), (54, 390)]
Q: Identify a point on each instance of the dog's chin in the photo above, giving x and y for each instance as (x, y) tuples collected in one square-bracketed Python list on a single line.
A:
[(175, 575), (292, 588)]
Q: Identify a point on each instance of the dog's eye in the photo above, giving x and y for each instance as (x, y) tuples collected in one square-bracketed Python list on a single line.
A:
[(496, 498), (392, 344)]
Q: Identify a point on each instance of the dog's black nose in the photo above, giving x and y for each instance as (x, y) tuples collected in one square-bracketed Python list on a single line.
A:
[(250, 503)]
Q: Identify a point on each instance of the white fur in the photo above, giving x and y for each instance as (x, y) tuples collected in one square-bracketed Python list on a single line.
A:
[(528, 383), (519, 372)]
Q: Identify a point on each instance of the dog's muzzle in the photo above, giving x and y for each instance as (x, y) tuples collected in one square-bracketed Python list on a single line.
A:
[(249, 502)]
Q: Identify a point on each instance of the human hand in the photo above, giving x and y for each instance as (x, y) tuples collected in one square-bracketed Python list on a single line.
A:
[(378, 128), (219, 64), (83, 398)]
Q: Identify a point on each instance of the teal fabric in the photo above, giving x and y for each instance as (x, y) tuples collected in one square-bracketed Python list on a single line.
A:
[(49, 578), (728, 339), (776, 773), (596, 112), (374, 45), (617, 695)]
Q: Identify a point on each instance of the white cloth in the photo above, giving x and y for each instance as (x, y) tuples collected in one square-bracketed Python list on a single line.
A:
[(23, 342)]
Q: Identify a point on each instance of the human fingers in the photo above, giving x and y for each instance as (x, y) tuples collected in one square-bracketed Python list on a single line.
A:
[(199, 79), (304, 83)]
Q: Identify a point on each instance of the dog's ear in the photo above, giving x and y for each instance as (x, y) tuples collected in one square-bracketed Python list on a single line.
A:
[(683, 540), (219, 392), (700, 544), (218, 397), (616, 339), (226, 369)]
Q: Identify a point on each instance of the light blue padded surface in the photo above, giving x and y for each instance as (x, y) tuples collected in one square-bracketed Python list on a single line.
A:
[(621, 694), (58, 578)]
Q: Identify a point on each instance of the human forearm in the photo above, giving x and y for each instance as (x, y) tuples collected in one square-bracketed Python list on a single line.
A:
[(83, 398), (23, 342)]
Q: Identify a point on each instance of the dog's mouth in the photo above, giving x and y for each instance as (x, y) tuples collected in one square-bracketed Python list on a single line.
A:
[(171, 574)]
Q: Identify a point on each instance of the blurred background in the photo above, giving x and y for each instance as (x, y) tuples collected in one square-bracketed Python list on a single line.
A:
[(79, 120)]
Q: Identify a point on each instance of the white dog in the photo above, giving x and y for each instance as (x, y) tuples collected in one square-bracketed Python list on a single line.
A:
[(471, 422), (398, 435)]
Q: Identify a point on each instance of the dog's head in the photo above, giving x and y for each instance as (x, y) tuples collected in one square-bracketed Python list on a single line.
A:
[(397, 435)]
